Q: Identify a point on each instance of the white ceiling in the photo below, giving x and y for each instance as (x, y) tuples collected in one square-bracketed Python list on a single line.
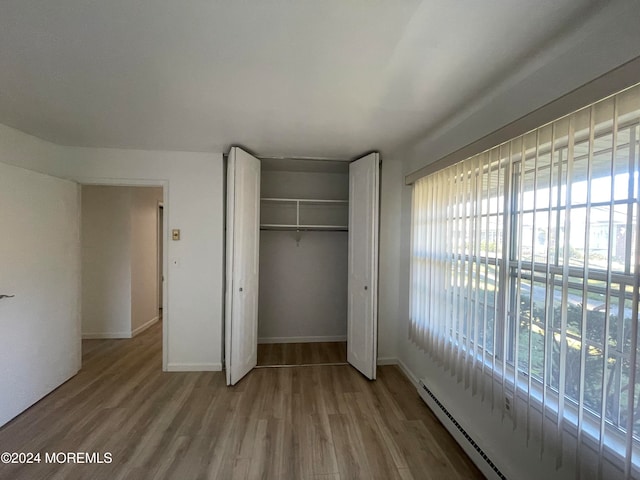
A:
[(330, 78)]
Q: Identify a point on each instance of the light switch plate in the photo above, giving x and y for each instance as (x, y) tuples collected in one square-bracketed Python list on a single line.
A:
[(175, 234)]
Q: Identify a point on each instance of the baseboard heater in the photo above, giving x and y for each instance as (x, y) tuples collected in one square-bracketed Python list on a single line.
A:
[(471, 448)]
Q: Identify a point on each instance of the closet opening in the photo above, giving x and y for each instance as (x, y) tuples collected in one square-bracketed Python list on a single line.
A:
[(301, 256), (303, 279)]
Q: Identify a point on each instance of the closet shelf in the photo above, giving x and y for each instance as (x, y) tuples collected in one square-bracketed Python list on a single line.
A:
[(271, 226), (311, 214), (304, 200)]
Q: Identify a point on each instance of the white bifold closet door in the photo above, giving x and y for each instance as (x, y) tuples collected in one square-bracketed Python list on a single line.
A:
[(362, 316), (243, 235)]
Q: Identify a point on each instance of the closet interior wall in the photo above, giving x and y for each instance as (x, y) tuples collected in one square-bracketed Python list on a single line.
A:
[(303, 272)]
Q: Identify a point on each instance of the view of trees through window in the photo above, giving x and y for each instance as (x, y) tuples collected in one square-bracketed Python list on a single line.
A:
[(585, 228)]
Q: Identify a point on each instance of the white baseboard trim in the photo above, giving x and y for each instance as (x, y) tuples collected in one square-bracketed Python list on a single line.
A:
[(144, 326), (408, 373), (106, 335), (387, 361), (337, 338), (194, 367)]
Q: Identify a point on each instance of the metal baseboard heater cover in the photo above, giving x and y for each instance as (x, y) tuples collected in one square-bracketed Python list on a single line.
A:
[(464, 433)]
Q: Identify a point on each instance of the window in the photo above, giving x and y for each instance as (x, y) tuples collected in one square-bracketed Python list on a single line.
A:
[(525, 274)]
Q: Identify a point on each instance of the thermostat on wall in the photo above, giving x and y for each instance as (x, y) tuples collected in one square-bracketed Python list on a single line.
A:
[(175, 234)]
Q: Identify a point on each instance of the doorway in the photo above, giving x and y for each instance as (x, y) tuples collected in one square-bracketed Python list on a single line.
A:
[(122, 228)]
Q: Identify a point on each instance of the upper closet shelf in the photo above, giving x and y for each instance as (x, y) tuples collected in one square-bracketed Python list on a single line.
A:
[(304, 200), (304, 214), (271, 226)]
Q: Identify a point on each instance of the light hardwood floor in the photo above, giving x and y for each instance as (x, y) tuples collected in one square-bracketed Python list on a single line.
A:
[(320, 422), (272, 354)]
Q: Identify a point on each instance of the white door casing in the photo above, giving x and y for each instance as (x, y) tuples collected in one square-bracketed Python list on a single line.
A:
[(160, 244), (362, 317), (243, 231)]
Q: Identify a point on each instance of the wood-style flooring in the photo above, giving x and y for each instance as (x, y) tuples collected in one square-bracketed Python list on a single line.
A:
[(316, 353), (319, 422)]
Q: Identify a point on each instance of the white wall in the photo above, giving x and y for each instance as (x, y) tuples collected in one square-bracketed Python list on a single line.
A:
[(144, 257), (391, 178), (106, 262), (193, 202), (303, 288), (39, 264), (332, 186), (606, 41)]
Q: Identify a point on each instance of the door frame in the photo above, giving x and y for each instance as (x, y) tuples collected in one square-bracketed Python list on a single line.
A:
[(160, 241), (164, 184)]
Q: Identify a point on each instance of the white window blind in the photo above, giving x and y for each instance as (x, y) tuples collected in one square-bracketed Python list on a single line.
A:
[(525, 276)]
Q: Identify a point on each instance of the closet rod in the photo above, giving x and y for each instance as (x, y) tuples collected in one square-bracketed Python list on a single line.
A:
[(302, 200), (305, 228)]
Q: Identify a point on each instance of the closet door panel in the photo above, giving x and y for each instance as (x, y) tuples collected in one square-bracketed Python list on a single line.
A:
[(362, 323), (243, 230)]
